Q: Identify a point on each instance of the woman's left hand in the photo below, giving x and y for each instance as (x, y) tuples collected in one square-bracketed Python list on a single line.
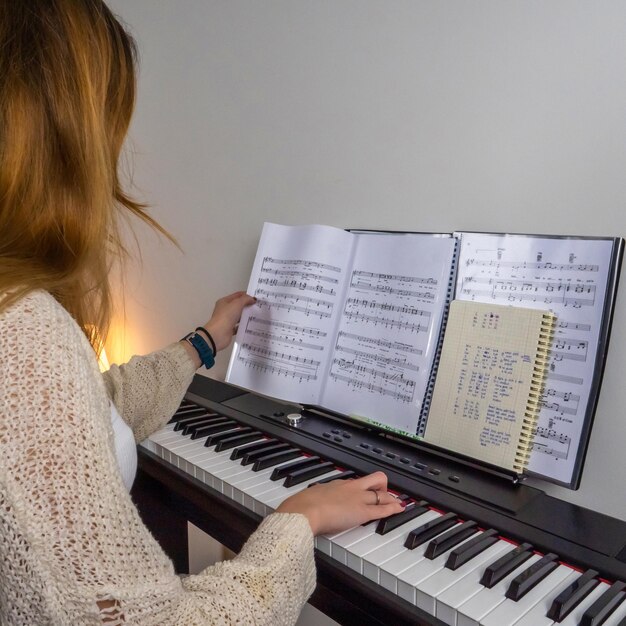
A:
[(226, 316)]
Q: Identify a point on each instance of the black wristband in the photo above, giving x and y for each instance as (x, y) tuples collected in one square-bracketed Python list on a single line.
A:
[(202, 329), (202, 348)]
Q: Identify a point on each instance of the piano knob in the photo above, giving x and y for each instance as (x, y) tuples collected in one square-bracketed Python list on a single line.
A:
[(293, 419)]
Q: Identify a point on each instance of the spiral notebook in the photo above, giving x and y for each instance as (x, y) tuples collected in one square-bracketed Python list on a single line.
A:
[(490, 380)]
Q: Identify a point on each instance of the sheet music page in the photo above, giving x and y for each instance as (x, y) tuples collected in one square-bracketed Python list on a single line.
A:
[(282, 342), (569, 278), (389, 327), (485, 376)]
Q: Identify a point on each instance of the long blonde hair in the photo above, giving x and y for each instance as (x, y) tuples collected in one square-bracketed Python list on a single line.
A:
[(67, 92)]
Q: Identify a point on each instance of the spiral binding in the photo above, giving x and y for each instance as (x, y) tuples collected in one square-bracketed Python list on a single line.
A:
[(428, 395), (533, 404)]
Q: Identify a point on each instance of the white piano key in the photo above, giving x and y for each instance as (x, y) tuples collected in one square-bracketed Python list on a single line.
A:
[(538, 615), (468, 586), (509, 611), (339, 545), (471, 612), (279, 498), (390, 570), (324, 542), (573, 619), (410, 578), (430, 589), (389, 550)]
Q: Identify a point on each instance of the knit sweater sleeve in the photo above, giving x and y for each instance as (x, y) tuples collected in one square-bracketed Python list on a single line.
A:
[(148, 389), (73, 549)]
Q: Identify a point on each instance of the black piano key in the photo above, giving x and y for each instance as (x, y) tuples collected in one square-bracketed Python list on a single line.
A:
[(217, 427), (251, 457), (236, 440), (194, 412), (195, 419), (190, 429), (447, 541), (275, 458), (598, 612), (297, 477), (238, 453), (429, 530), (531, 576), (572, 595), (216, 437), (461, 555), (281, 472), (495, 572), (411, 512), (343, 476)]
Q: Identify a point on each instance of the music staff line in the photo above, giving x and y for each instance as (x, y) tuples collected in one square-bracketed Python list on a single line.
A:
[(299, 274), (290, 341), (357, 384), (384, 321), (383, 306), (519, 265), (302, 263), (297, 366), (495, 295), (383, 360), (313, 332), (395, 277), (533, 285), (386, 289), (380, 343), (301, 285)]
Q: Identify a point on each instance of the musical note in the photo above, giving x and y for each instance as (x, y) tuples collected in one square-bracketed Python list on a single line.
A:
[(302, 263)]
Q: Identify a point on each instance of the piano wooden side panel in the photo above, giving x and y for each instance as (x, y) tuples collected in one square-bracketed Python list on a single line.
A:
[(167, 498)]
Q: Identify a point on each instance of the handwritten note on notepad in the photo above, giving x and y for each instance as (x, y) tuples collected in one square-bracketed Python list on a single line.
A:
[(488, 389)]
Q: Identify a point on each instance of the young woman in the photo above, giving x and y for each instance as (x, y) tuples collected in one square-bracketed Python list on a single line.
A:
[(73, 549)]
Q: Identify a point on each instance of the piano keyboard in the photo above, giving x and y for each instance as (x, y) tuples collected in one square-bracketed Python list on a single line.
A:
[(449, 567)]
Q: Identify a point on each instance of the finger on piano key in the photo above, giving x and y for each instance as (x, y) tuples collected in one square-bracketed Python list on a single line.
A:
[(450, 599), (392, 546), (273, 501), (510, 611), (434, 586), (572, 595), (604, 605), (412, 511), (488, 598), (409, 580)]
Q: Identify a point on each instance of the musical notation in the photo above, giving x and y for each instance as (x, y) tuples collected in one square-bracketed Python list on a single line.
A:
[(384, 306), (523, 265), (313, 332), (573, 325), (302, 263), (359, 385), (394, 277), (285, 363), (300, 275), (512, 297), (300, 285), (382, 360), (301, 304), (285, 339), (379, 343), (384, 321), (571, 349)]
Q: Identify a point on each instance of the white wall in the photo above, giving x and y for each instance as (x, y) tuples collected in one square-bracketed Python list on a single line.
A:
[(399, 114)]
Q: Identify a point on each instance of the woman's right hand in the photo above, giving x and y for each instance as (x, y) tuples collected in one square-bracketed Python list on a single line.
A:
[(342, 504)]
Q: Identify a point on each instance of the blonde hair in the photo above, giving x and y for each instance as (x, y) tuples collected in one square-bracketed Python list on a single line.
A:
[(67, 92)]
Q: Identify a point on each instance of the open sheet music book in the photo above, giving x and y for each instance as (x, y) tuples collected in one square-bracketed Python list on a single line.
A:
[(353, 322)]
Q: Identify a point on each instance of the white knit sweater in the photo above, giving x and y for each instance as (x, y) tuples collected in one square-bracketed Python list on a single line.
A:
[(70, 536)]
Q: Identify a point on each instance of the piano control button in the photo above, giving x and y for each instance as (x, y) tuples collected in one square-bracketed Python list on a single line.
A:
[(293, 419), (449, 539), (338, 439), (434, 471), (390, 455), (365, 446), (419, 466), (532, 576), (213, 439), (454, 479), (335, 431), (425, 533), (600, 610), (238, 453), (461, 555), (302, 475), (327, 435), (279, 414), (570, 597), (411, 512), (341, 476), (346, 435), (405, 461), (377, 450), (505, 564), (275, 458), (251, 457), (281, 472), (236, 440)]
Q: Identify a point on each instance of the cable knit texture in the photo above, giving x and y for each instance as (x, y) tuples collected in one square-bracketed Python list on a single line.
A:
[(70, 537)]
